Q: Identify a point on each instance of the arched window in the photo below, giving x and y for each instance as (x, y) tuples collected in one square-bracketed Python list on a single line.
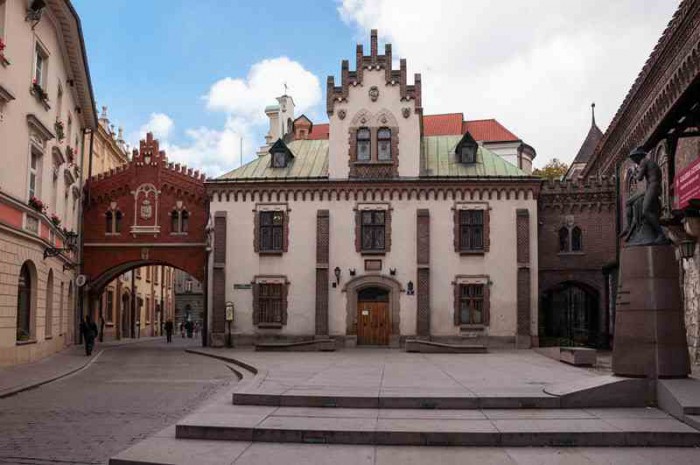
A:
[(564, 239), (576, 243), (175, 221), (24, 304), (48, 319), (109, 219), (185, 220), (118, 221), (113, 221), (384, 144), (364, 153)]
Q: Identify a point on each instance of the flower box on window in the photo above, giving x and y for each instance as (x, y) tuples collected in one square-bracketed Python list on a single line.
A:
[(55, 219), (3, 59), (40, 93), (37, 204)]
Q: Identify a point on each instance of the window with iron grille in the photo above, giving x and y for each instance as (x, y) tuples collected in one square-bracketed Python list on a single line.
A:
[(270, 303), (471, 304), (471, 230), (373, 230), (271, 231)]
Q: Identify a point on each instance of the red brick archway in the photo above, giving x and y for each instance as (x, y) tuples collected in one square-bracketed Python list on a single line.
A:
[(146, 212)]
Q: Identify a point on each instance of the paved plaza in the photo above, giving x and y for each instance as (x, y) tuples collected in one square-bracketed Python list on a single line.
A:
[(126, 394)]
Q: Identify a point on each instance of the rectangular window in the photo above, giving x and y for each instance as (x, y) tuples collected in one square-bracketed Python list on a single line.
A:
[(188, 286), (270, 303), (41, 60), (155, 275), (35, 175), (271, 231), (471, 230), (148, 273), (373, 229), (109, 313), (471, 304), (138, 273)]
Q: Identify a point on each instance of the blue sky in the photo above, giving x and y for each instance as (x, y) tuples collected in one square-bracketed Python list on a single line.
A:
[(200, 72)]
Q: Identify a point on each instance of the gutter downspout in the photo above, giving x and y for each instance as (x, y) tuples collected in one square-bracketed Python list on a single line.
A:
[(81, 290)]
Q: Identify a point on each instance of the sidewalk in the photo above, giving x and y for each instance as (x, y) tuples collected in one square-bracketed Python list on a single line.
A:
[(16, 379)]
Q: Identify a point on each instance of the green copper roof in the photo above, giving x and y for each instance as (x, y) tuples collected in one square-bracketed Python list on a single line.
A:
[(311, 161), (441, 161)]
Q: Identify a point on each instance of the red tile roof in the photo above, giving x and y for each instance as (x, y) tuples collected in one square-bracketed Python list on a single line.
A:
[(488, 130), (319, 131), (450, 124)]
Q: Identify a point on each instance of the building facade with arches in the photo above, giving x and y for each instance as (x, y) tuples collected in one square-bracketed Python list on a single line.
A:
[(381, 225), (46, 103)]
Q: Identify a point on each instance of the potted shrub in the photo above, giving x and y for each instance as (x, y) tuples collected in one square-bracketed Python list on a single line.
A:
[(3, 59), (70, 155), (55, 219), (39, 91)]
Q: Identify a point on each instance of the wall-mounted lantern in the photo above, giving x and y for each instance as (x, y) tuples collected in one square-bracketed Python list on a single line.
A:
[(392, 271), (336, 272), (409, 288), (352, 271)]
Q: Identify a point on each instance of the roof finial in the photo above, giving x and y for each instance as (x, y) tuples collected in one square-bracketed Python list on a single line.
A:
[(285, 87), (593, 114)]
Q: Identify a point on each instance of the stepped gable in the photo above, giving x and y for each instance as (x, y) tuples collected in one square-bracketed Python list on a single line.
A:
[(394, 77), (571, 195), (147, 164)]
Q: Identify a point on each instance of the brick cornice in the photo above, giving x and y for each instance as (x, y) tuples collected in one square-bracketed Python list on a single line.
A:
[(384, 190)]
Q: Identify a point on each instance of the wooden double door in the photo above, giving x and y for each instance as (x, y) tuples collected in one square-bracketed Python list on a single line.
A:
[(373, 318)]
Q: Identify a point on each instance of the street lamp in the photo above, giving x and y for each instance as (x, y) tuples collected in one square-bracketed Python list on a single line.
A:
[(70, 243), (336, 271)]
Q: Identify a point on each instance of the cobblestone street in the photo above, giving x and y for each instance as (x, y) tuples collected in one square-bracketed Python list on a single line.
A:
[(128, 393)]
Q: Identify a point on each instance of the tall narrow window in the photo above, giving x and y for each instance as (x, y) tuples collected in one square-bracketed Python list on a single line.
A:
[(109, 221), (471, 230), (384, 144), (185, 221), (564, 239), (271, 231), (373, 230), (109, 312), (364, 152), (35, 174), (471, 304), (179, 220), (576, 244), (118, 221), (175, 221), (24, 303), (40, 63), (113, 221), (270, 303)]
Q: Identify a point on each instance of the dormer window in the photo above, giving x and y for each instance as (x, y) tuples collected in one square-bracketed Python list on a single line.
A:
[(279, 159), (364, 138), (466, 150), (280, 155), (384, 144)]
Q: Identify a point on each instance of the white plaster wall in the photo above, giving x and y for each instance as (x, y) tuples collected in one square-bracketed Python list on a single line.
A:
[(299, 263), (20, 42), (390, 100)]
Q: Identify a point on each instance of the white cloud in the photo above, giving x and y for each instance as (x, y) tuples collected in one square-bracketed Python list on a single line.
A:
[(159, 124), (243, 100), (535, 66)]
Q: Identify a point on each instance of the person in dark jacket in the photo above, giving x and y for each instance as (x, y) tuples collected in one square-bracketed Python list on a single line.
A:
[(88, 329), (169, 330)]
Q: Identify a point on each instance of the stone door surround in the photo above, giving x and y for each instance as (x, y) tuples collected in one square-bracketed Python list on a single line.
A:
[(358, 283)]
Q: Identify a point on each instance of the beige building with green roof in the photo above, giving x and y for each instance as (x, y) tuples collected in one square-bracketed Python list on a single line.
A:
[(383, 225)]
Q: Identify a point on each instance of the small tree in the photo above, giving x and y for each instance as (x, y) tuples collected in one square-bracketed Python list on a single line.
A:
[(555, 169)]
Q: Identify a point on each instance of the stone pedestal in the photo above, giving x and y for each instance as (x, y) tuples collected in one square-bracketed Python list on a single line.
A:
[(650, 339)]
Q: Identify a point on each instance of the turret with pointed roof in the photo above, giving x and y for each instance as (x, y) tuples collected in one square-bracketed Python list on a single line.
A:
[(587, 148)]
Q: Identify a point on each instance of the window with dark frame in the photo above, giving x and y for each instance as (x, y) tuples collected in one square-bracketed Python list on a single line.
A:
[(113, 222), (384, 144), (576, 244), (471, 304), (471, 230), (279, 159), (364, 152), (468, 153), (564, 239), (271, 231), (110, 307), (373, 230), (179, 221), (270, 303)]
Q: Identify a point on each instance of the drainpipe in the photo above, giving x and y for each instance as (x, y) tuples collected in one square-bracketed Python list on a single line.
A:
[(80, 291)]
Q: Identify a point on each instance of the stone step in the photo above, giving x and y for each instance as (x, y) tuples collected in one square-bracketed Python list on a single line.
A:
[(511, 428), (432, 347), (322, 345)]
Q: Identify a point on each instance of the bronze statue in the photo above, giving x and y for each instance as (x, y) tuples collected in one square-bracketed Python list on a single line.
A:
[(643, 209)]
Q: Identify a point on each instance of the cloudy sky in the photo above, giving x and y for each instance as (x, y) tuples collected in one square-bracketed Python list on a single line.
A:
[(199, 73)]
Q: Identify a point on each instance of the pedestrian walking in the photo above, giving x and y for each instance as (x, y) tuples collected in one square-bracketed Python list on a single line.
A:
[(196, 329), (182, 329), (169, 331), (88, 329), (189, 327)]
